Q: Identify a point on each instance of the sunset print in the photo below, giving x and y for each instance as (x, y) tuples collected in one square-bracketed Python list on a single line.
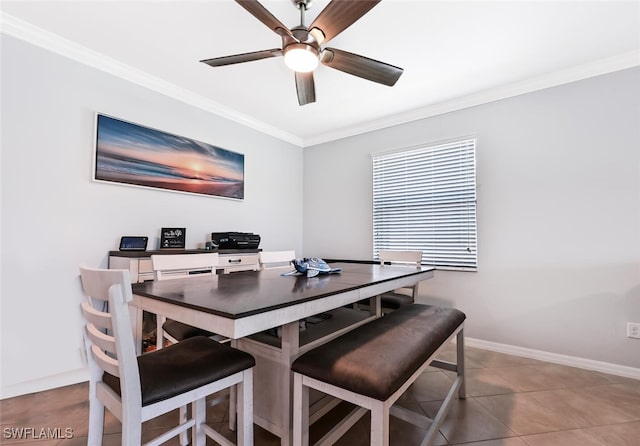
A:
[(131, 154)]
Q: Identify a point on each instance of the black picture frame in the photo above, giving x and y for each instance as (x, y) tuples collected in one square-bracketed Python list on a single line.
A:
[(173, 238)]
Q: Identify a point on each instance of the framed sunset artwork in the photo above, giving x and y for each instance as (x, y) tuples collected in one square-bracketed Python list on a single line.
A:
[(131, 154)]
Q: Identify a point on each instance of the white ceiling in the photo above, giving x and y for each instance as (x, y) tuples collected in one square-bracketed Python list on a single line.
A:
[(455, 54)]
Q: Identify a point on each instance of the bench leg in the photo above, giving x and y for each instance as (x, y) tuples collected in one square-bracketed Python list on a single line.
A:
[(462, 394), (183, 416), (379, 424), (300, 412), (199, 415)]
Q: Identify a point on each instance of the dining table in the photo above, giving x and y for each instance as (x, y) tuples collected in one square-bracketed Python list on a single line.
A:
[(276, 315)]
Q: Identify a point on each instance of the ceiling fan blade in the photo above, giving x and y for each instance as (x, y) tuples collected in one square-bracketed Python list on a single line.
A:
[(261, 13), (305, 87), (338, 16), (245, 57), (361, 66)]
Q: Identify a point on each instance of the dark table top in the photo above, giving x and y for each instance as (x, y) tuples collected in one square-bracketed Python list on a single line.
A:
[(247, 293)]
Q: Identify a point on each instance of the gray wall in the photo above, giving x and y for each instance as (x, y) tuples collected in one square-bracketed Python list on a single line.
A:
[(558, 174), (558, 211), (54, 218)]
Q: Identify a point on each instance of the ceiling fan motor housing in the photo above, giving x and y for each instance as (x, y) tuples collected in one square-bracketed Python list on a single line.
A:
[(301, 55), (301, 46)]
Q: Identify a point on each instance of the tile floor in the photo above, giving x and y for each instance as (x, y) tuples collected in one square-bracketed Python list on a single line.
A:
[(511, 401)]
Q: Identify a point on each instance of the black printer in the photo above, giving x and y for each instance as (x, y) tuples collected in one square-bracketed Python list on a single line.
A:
[(234, 240)]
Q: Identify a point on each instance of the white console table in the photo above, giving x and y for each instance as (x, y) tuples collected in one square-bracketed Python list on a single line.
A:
[(139, 262)]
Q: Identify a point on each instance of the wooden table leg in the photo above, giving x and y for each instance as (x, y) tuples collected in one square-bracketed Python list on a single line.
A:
[(290, 351)]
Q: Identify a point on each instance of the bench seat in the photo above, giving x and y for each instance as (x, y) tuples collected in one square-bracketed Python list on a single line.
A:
[(372, 365)]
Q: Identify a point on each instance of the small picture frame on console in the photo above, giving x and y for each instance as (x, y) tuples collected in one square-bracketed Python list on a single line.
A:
[(173, 238)]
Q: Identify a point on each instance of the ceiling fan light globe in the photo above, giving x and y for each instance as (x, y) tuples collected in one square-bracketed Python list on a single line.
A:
[(301, 58)]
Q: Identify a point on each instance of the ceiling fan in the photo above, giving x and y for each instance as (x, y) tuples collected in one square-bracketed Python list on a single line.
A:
[(302, 46)]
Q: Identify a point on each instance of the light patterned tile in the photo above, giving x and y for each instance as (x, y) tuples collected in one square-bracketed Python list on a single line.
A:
[(576, 437), (404, 433), (626, 434), (358, 435), (81, 441), (56, 407), (324, 424), (449, 353), (432, 386), (48, 415), (486, 358), (467, 421), (619, 379), (12, 410), (401, 433), (481, 382), (524, 415), (30, 435), (149, 434), (582, 407), (565, 376), (261, 436), (526, 378), (511, 441), (548, 404), (624, 397)]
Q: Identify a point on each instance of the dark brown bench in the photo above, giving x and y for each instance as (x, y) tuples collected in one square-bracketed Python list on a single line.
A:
[(374, 364)]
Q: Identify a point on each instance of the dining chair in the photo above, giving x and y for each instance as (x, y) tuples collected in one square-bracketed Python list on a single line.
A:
[(137, 389), (181, 266), (186, 266), (276, 259), (396, 299)]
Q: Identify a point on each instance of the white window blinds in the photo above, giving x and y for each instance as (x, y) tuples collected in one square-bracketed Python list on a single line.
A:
[(425, 199)]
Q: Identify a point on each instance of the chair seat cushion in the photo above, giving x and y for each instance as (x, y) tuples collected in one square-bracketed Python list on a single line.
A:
[(184, 366), (377, 358), (180, 331), (395, 300)]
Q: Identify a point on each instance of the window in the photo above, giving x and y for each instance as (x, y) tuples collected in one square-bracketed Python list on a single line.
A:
[(425, 199)]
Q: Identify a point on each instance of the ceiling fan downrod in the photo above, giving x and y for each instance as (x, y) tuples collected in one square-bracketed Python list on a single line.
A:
[(302, 56), (304, 47), (302, 5)]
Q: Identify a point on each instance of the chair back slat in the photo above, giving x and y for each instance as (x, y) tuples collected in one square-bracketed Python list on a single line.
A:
[(96, 282), (104, 341), (276, 259), (117, 358), (104, 361), (414, 257), (408, 258), (174, 266), (96, 317)]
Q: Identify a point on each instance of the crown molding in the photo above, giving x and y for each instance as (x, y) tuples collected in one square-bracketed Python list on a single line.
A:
[(20, 29), (573, 74)]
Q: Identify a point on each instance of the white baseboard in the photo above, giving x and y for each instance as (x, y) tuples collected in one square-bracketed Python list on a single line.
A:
[(47, 383), (572, 361), (81, 375)]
